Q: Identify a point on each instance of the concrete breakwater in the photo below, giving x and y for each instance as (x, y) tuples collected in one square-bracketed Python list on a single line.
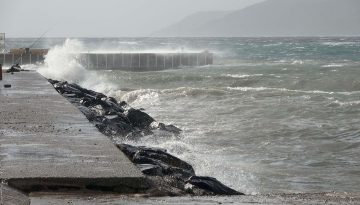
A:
[(143, 61), (23, 56), (130, 61)]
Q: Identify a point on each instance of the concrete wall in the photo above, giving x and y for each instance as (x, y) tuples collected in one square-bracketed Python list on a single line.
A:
[(119, 61), (9, 59), (143, 61)]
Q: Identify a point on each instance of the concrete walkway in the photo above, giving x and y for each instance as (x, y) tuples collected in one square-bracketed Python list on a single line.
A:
[(47, 144), (269, 199)]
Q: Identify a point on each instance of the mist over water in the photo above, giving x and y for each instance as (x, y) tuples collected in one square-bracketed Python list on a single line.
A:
[(272, 115)]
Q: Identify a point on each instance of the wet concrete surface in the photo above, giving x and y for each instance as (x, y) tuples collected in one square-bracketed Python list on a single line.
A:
[(300, 199), (46, 141), (10, 196)]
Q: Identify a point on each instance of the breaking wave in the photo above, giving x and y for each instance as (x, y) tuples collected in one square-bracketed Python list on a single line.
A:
[(61, 64), (152, 96)]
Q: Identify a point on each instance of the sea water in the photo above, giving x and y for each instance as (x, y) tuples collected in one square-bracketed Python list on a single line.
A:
[(271, 115)]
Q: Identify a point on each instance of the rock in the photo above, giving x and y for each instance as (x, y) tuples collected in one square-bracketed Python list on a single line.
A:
[(115, 127), (160, 186), (99, 109), (150, 169), (139, 118), (163, 163), (53, 81), (14, 68), (212, 185), (168, 128), (175, 172), (89, 114)]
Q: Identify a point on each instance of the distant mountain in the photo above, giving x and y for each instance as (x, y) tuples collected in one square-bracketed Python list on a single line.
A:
[(192, 22), (275, 18)]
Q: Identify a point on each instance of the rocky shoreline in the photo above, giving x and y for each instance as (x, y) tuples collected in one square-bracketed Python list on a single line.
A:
[(166, 174)]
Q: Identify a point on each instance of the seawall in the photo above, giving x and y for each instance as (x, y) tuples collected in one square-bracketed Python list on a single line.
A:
[(131, 61)]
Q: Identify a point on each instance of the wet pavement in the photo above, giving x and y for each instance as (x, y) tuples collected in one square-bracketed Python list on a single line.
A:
[(273, 199), (47, 143)]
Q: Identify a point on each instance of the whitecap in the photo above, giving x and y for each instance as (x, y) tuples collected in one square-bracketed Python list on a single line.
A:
[(245, 89), (333, 65), (242, 76), (297, 62), (128, 42), (349, 103), (338, 43)]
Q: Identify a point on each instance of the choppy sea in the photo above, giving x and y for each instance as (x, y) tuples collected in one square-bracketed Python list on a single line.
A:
[(271, 115)]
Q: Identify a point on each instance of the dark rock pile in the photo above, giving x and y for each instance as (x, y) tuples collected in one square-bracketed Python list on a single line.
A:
[(14, 68), (177, 173), (167, 174), (112, 118)]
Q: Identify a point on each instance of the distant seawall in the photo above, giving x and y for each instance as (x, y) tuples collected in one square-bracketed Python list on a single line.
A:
[(23, 56), (115, 61), (143, 61)]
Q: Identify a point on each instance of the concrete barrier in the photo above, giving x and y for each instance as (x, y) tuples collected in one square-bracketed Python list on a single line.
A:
[(9, 59), (115, 61), (143, 61)]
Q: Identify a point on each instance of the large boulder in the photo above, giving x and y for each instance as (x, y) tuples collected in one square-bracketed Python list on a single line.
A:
[(211, 186), (139, 118), (157, 162)]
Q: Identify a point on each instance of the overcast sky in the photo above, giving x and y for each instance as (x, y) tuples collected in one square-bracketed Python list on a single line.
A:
[(101, 18)]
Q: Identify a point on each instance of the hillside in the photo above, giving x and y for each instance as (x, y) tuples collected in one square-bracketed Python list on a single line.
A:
[(275, 18), (192, 22)]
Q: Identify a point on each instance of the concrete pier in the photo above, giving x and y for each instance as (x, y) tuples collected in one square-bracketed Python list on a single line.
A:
[(47, 144)]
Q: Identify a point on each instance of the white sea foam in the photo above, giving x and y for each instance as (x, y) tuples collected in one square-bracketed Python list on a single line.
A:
[(138, 97), (297, 62), (349, 103), (61, 64), (333, 65), (152, 96), (338, 43), (128, 42), (245, 89), (242, 76), (273, 44)]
